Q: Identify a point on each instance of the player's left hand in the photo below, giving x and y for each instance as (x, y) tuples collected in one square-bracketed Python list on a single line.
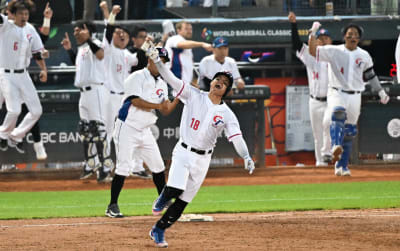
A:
[(43, 76), (384, 97), (249, 164)]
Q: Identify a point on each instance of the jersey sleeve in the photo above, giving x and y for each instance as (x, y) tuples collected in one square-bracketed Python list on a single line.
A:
[(369, 63), (202, 68), (132, 58), (175, 40), (232, 127), (133, 85), (5, 24), (305, 57), (326, 52), (37, 44), (235, 70)]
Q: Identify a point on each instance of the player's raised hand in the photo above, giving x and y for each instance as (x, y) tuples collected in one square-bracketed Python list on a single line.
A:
[(116, 9), (104, 7), (384, 98), (292, 17), (249, 164), (48, 12), (314, 28), (43, 76), (66, 42)]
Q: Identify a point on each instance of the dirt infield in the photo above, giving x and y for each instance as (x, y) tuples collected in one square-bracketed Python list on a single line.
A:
[(310, 230)]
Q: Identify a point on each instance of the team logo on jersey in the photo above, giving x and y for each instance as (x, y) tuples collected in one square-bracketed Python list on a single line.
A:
[(29, 37), (359, 62), (160, 93), (218, 120)]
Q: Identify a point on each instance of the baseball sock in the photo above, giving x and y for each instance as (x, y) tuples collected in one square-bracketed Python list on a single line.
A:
[(172, 214), (159, 181), (35, 130), (116, 187)]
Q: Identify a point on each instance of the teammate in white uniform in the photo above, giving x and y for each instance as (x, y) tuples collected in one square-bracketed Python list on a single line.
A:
[(351, 67), (144, 92), (118, 62), (397, 58), (204, 118), (317, 73), (89, 78), (216, 62), (17, 87), (180, 51)]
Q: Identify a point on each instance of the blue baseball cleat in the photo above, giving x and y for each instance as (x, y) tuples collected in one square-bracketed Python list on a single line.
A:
[(157, 235)]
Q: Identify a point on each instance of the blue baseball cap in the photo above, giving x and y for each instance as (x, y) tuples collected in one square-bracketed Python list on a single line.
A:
[(323, 32), (220, 41), (163, 53)]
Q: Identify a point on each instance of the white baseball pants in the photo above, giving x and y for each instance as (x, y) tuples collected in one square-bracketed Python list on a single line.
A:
[(351, 102), (322, 140), (18, 88), (188, 171), (129, 142)]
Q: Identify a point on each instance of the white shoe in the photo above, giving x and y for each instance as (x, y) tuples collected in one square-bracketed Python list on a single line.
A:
[(346, 172), (40, 151), (338, 171), (337, 151)]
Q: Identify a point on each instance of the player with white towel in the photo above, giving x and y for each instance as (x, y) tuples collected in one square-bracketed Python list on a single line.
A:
[(351, 68)]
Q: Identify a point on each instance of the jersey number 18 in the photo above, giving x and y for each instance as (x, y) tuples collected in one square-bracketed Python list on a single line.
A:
[(195, 124)]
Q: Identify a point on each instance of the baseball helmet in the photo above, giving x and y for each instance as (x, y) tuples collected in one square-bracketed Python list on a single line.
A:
[(163, 53), (230, 78), (352, 25)]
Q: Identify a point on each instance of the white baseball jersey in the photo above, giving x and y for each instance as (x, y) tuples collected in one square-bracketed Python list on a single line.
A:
[(132, 134), (317, 72), (181, 60), (397, 57), (142, 84), (347, 67), (89, 69), (118, 63), (209, 67), (17, 44)]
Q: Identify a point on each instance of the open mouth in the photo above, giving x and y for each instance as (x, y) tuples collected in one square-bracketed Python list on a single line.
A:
[(218, 86)]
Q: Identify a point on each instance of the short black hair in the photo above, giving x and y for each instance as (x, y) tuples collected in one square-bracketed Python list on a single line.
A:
[(352, 25), (136, 30), (90, 26), (16, 5), (122, 28)]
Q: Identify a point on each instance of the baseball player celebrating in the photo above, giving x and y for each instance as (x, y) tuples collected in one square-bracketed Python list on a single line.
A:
[(89, 78), (351, 67), (216, 62), (204, 118), (317, 73), (144, 92), (16, 85)]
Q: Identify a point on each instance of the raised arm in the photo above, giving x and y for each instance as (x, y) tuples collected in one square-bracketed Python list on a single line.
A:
[(312, 41), (296, 42)]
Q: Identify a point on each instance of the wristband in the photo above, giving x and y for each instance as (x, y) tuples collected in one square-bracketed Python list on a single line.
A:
[(46, 22), (111, 18)]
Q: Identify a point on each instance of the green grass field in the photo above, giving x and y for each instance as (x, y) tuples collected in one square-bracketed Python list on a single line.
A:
[(356, 195)]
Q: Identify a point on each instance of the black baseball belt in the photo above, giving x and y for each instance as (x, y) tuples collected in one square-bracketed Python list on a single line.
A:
[(14, 71), (322, 99), (87, 88), (201, 152), (345, 91), (119, 93)]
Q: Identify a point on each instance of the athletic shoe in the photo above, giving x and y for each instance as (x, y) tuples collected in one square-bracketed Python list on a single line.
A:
[(157, 235), (86, 173), (103, 177), (346, 171), (40, 151), (113, 211), (327, 158), (3, 144), (338, 171), (141, 174), (337, 151), (19, 146)]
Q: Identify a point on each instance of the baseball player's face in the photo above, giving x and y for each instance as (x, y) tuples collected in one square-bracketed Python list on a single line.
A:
[(221, 52), (139, 39), (351, 38), (78, 37), (120, 38), (219, 85), (324, 40), (186, 31), (21, 17)]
